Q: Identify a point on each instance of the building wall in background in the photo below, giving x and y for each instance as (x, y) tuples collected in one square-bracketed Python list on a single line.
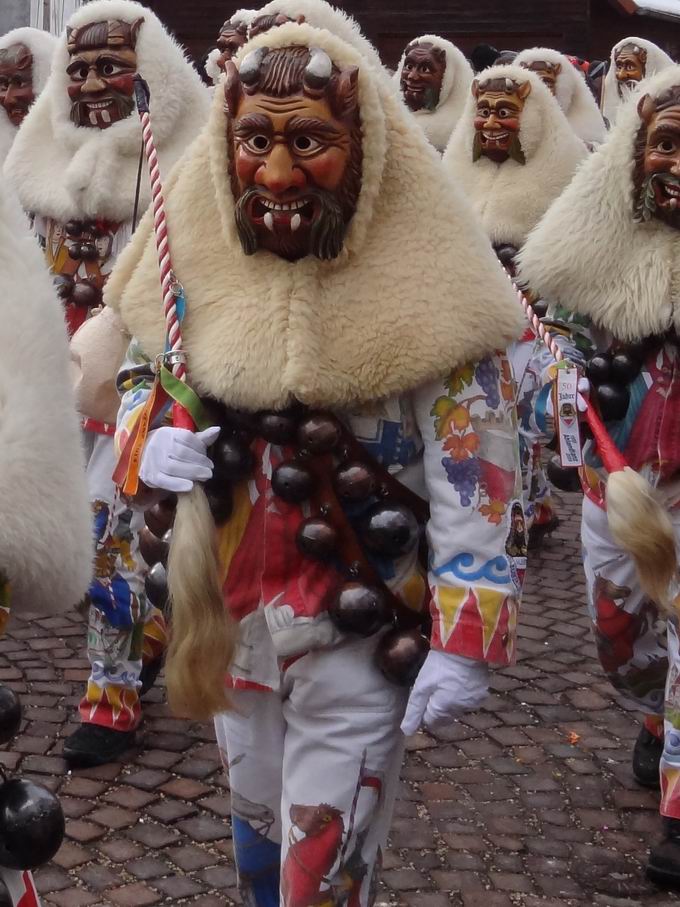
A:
[(14, 14)]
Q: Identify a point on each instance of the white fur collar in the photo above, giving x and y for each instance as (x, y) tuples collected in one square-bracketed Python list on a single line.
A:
[(439, 124), (657, 61), (62, 171), (589, 255), (511, 198), (416, 290), (573, 95)]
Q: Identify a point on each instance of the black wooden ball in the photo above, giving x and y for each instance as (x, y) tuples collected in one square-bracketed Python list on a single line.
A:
[(625, 368), (540, 307), (355, 482), (390, 529), (152, 549), (277, 427), (159, 519), (598, 368), (85, 295), (613, 401), (563, 477), (233, 460), (293, 482), (156, 586), (359, 609), (31, 825), (74, 227), (10, 714), (319, 433), (317, 538), (75, 251), (401, 654)]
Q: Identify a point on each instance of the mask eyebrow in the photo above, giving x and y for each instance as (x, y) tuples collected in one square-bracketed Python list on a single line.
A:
[(313, 124), (253, 122)]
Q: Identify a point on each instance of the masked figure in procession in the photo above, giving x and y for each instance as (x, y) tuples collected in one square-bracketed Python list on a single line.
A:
[(569, 87), (434, 78), (233, 35), (514, 152), (299, 226), (631, 61), (617, 268), (25, 57), (74, 166)]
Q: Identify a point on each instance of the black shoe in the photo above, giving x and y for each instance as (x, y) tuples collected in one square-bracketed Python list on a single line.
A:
[(663, 867), (646, 758), (149, 673), (538, 532), (93, 744)]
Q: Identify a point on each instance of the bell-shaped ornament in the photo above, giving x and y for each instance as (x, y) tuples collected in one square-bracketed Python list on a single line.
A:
[(233, 460), (390, 529), (319, 433), (31, 825), (360, 609), (10, 714), (152, 549), (292, 482), (159, 519), (85, 295), (625, 367), (401, 654), (156, 586), (613, 401), (317, 538), (74, 228), (88, 251), (598, 369), (277, 427), (355, 482), (75, 251)]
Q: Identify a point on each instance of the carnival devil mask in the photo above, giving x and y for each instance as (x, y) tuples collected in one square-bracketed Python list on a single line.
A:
[(232, 37), (499, 106), (546, 71), (295, 151), (657, 159), (16, 81), (101, 72), (630, 62), (422, 75), (261, 24)]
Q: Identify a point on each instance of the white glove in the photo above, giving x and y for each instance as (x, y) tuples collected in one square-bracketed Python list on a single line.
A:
[(446, 686), (583, 388), (175, 458)]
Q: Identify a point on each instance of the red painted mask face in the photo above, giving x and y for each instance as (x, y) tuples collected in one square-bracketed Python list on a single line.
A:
[(500, 103), (16, 82), (546, 72), (631, 65), (422, 76), (658, 165), (101, 73), (296, 164)]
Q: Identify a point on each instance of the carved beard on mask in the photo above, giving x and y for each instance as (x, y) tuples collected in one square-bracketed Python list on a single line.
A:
[(102, 69), (630, 63), (294, 137), (657, 159), (16, 82), (500, 103)]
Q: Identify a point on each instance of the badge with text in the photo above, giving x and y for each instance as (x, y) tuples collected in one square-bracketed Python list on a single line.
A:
[(567, 417)]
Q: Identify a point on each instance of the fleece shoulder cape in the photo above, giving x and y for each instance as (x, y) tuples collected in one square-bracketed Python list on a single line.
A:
[(511, 198), (415, 291), (439, 124), (46, 540), (624, 275), (63, 171)]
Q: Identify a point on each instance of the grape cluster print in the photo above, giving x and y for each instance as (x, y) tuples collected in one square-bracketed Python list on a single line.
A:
[(487, 375), (464, 476)]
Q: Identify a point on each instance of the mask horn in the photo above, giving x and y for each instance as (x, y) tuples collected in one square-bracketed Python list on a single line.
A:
[(318, 71), (249, 70)]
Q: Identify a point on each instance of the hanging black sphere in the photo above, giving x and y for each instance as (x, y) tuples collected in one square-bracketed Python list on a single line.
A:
[(74, 228), (152, 549), (613, 400), (64, 285), (563, 477), (293, 482), (277, 427), (540, 307), (625, 368), (220, 499), (317, 538), (88, 251), (156, 586), (159, 519), (360, 609), (31, 825), (85, 295), (390, 529), (10, 714), (355, 482), (401, 654), (74, 251), (233, 460), (598, 369), (319, 433)]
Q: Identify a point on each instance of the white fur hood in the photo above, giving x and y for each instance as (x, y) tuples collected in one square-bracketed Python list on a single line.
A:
[(572, 93), (64, 171), (402, 304), (438, 124), (41, 44), (46, 541), (589, 255), (511, 198), (657, 61)]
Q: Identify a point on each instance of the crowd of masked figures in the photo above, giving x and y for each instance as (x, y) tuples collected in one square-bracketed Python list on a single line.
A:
[(435, 80)]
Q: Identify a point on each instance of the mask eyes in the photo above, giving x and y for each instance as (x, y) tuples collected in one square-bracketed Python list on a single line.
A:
[(484, 112), (305, 145), (79, 73), (504, 113), (666, 146), (258, 144), (109, 69)]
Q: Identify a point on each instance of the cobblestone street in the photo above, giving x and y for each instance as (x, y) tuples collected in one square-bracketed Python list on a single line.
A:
[(528, 802)]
